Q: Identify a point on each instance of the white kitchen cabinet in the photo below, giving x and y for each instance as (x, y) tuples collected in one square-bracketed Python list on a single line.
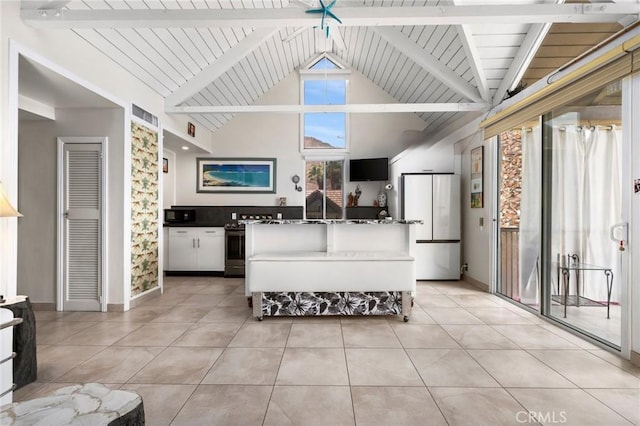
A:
[(196, 249)]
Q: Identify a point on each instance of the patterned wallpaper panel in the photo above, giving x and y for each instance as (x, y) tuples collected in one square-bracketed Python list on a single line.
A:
[(144, 208)]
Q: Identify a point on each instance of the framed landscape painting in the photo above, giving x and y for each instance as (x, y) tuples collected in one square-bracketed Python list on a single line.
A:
[(240, 175)]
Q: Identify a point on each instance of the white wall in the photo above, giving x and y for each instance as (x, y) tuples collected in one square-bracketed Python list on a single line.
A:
[(477, 241), (38, 194), (278, 136), (169, 180), (69, 54)]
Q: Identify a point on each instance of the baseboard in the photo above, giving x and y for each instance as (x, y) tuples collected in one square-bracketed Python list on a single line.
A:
[(115, 307), (141, 298), (482, 286), (635, 358), (43, 306)]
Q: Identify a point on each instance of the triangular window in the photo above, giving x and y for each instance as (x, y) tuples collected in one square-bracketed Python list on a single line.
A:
[(324, 64)]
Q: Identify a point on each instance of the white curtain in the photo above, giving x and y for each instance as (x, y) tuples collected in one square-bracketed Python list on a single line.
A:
[(586, 202), (530, 214), (586, 191)]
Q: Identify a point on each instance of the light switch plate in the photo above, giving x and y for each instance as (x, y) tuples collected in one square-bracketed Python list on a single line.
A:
[(234, 216), (279, 216)]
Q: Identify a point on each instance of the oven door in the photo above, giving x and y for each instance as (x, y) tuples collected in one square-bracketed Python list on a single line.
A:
[(234, 253)]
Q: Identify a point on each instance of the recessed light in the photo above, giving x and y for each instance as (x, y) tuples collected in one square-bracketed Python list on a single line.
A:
[(186, 148)]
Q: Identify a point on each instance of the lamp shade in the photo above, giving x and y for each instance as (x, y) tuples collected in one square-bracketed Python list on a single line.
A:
[(6, 209)]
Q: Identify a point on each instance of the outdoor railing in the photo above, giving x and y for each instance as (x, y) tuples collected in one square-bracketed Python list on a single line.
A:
[(509, 262)]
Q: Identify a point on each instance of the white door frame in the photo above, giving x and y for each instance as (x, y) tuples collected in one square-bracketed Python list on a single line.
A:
[(630, 295), (60, 287)]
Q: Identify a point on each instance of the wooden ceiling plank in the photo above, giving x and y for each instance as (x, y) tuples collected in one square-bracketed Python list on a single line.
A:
[(189, 47), (102, 44), (220, 66), (281, 63), (267, 66), (525, 55), (403, 66), (338, 40), (134, 37), (429, 63), (248, 71), (408, 82), (382, 62), (417, 95)]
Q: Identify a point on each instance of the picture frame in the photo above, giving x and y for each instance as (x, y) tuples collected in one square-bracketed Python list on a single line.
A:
[(236, 175), (165, 165), (477, 158), (191, 129)]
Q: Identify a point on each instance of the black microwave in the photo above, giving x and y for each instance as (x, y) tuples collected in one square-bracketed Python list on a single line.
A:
[(179, 215)]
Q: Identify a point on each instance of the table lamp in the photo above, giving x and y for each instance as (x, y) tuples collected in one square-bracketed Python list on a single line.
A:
[(6, 210)]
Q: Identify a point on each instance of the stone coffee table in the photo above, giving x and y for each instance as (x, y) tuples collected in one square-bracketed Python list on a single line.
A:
[(88, 404)]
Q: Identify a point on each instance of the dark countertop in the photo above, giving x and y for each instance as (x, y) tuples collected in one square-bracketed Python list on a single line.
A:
[(330, 222)]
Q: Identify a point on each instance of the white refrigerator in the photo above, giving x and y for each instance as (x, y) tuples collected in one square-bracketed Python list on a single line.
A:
[(434, 198)]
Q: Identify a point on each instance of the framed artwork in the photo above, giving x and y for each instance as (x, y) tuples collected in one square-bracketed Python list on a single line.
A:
[(240, 175), (165, 165), (191, 129), (476, 177)]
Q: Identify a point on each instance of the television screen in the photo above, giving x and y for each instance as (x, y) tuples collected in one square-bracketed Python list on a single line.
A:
[(369, 169)]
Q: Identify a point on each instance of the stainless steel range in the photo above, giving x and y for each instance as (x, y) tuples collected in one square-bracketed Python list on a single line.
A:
[(234, 247), (234, 250)]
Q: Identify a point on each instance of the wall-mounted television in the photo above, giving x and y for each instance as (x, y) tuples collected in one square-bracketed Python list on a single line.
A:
[(369, 169)]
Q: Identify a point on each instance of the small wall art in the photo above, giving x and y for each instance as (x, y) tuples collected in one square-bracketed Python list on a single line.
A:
[(477, 177), (165, 165)]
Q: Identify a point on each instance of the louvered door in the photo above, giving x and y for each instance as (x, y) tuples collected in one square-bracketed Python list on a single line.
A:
[(82, 211)]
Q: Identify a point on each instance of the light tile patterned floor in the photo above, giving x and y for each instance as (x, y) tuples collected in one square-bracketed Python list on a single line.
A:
[(198, 358)]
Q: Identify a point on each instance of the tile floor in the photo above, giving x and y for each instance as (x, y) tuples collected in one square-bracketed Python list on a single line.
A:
[(466, 358)]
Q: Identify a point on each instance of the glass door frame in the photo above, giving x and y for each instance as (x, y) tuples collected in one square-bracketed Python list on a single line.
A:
[(546, 257), (496, 281)]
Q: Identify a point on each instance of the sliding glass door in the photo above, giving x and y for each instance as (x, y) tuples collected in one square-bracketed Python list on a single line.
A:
[(584, 227), (562, 229), (520, 171)]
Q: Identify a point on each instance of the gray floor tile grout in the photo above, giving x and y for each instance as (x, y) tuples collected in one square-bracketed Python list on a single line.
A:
[(464, 300)]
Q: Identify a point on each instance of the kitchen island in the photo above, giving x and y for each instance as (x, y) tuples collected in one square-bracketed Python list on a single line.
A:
[(330, 267)]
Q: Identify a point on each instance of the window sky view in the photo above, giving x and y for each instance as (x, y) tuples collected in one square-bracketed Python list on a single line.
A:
[(328, 127)]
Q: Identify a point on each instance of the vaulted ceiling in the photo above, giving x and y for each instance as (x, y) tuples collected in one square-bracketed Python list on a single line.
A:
[(440, 59)]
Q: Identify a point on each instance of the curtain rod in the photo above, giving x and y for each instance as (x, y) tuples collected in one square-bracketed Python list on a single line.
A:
[(579, 128)]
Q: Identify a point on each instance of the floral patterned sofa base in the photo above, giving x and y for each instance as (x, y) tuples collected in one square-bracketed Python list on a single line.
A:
[(272, 304)]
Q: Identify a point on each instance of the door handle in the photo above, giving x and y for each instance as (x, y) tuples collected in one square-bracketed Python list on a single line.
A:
[(198, 242), (193, 243), (625, 228), (66, 214)]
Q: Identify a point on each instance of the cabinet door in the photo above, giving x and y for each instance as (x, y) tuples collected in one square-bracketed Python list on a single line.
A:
[(182, 249), (210, 244), (446, 207), (437, 261), (417, 193)]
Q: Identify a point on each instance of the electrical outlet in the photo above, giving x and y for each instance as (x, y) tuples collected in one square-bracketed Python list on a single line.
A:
[(234, 216), (279, 216)]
